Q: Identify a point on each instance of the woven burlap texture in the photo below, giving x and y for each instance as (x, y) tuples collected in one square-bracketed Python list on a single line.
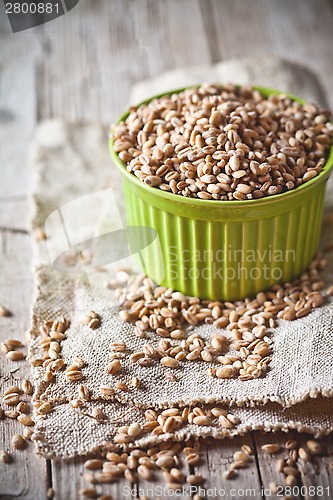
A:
[(74, 181)]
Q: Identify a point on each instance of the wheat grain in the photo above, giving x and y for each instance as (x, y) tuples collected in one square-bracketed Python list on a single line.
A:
[(18, 442), (5, 457), (271, 448), (214, 145), (15, 355)]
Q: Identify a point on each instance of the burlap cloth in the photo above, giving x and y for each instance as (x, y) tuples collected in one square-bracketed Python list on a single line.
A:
[(75, 182)]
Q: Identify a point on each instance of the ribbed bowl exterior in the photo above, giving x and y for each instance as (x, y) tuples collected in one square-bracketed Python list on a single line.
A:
[(232, 259), (225, 250)]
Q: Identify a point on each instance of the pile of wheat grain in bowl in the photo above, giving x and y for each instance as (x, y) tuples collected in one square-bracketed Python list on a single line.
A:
[(218, 142)]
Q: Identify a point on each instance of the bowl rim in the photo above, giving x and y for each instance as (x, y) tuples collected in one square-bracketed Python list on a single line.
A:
[(266, 200)]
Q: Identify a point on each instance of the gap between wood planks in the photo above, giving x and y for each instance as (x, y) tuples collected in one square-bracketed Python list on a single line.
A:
[(13, 230)]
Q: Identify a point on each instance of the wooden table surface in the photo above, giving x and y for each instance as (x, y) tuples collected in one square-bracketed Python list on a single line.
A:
[(82, 66)]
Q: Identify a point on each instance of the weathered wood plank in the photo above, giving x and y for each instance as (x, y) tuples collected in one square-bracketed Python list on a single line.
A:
[(158, 487), (317, 474), (98, 72), (82, 76), (26, 476), (217, 457), (16, 125), (14, 215), (186, 41), (296, 30), (68, 481), (267, 463), (17, 110)]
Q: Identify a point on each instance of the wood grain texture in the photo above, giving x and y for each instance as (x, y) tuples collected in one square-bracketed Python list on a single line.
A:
[(319, 470), (81, 66), (315, 474), (159, 482), (14, 215), (17, 107), (299, 31), (68, 482), (267, 463), (26, 477), (92, 81), (217, 458)]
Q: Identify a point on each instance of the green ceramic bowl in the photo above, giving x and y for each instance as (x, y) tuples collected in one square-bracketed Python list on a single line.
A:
[(227, 250)]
